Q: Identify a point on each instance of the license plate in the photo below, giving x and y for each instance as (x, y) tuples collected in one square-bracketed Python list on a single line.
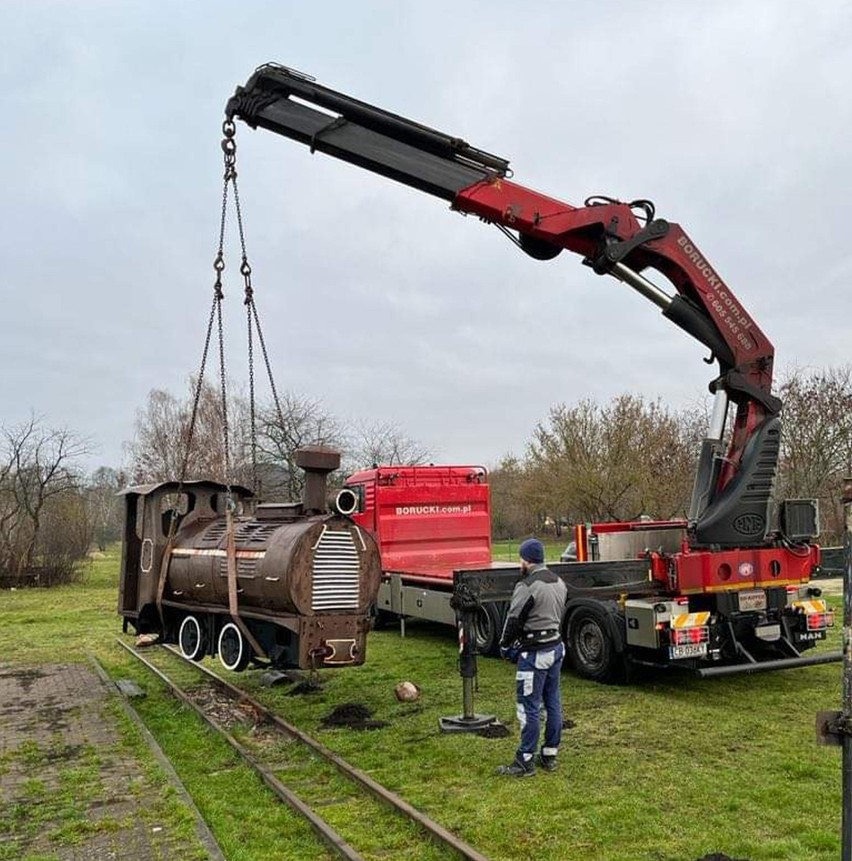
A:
[(770, 633), (690, 650), (753, 600)]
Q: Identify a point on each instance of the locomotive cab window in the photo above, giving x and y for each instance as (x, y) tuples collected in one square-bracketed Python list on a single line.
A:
[(175, 505)]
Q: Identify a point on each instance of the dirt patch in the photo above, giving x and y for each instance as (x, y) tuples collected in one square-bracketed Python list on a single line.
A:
[(494, 730), (720, 856), (352, 716), (308, 686)]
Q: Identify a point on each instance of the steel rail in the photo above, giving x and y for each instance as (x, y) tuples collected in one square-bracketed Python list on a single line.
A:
[(380, 792), (325, 832), (434, 829)]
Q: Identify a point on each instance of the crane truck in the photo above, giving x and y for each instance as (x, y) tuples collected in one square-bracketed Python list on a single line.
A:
[(727, 591)]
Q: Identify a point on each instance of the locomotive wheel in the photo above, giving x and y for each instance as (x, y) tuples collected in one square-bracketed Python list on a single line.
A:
[(191, 639), (590, 646), (234, 651)]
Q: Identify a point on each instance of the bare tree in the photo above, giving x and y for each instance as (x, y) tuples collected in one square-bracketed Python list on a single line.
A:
[(383, 443), (616, 462), (510, 516), (301, 421), (64, 538), (103, 505), (162, 446), (159, 448), (37, 470), (816, 443)]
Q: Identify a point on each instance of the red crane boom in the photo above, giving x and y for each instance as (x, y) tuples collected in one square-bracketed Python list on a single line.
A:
[(733, 489)]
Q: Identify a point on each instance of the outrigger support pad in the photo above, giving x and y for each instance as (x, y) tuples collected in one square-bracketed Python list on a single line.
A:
[(468, 721), (474, 723)]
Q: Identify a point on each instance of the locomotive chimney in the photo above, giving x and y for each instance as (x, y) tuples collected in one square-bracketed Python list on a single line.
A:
[(317, 462)]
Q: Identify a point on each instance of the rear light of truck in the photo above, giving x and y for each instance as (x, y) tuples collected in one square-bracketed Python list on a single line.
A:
[(687, 636), (817, 615), (820, 621)]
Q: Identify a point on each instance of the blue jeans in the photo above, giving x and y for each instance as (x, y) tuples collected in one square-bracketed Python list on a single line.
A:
[(537, 683)]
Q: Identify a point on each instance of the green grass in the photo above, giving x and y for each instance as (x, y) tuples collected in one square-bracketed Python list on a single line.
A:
[(668, 768), (507, 551)]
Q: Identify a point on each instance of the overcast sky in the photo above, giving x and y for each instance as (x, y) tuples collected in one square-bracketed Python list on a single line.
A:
[(734, 117)]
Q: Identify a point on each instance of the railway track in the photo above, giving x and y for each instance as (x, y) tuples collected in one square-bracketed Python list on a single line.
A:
[(207, 697)]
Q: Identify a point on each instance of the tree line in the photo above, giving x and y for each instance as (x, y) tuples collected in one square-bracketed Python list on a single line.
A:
[(52, 513), (260, 453), (584, 462), (590, 462)]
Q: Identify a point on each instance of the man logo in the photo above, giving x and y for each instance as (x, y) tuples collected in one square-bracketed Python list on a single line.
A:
[(749, 524), (745, 569)]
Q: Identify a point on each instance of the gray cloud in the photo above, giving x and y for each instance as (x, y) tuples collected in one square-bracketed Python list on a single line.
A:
[(733, 116)]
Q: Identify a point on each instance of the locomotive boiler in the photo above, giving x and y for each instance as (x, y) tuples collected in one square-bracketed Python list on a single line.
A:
[(287, 584)]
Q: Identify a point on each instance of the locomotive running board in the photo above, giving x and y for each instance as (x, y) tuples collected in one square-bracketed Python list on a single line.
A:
[(766, 666)]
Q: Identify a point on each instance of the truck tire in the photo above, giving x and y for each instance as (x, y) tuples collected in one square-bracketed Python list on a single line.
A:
[(591, 646), (488, 628)]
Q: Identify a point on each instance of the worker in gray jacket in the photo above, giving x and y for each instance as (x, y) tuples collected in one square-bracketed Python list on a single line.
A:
[(533, 633)]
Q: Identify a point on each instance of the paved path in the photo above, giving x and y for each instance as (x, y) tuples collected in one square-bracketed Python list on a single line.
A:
[(71, 788)]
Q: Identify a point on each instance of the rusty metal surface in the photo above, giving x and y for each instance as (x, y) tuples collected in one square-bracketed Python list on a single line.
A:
[(313, 575)]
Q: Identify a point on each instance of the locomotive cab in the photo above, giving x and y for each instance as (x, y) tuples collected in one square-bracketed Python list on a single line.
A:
[(148, 512)]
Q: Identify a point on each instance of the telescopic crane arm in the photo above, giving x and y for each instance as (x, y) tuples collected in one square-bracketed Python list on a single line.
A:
[(732, 493)]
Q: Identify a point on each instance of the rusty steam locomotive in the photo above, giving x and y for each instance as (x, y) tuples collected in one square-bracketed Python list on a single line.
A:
[(290, 584)]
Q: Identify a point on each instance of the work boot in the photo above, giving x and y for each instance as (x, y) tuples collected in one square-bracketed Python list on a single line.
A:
[(548, 763), (518, 768)]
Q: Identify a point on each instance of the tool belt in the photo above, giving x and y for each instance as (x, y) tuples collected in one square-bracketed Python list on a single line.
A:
[(539, 639)]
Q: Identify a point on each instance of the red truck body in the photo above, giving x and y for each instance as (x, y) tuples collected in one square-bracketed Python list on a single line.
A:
[(686, 571), (707, 608), (428, 520)]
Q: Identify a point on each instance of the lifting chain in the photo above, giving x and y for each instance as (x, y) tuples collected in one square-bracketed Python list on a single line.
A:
[(229, 151), (229, 147)]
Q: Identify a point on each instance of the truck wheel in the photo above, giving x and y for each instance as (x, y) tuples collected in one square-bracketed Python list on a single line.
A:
[(590, 645), (487, 628), (191, 639), (234, 651)]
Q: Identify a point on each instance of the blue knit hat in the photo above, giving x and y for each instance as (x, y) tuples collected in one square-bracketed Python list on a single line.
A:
[(532, 550)]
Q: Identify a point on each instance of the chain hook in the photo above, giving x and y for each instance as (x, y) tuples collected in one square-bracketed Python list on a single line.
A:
[(229, 148), (245, 271), (219, 267)]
